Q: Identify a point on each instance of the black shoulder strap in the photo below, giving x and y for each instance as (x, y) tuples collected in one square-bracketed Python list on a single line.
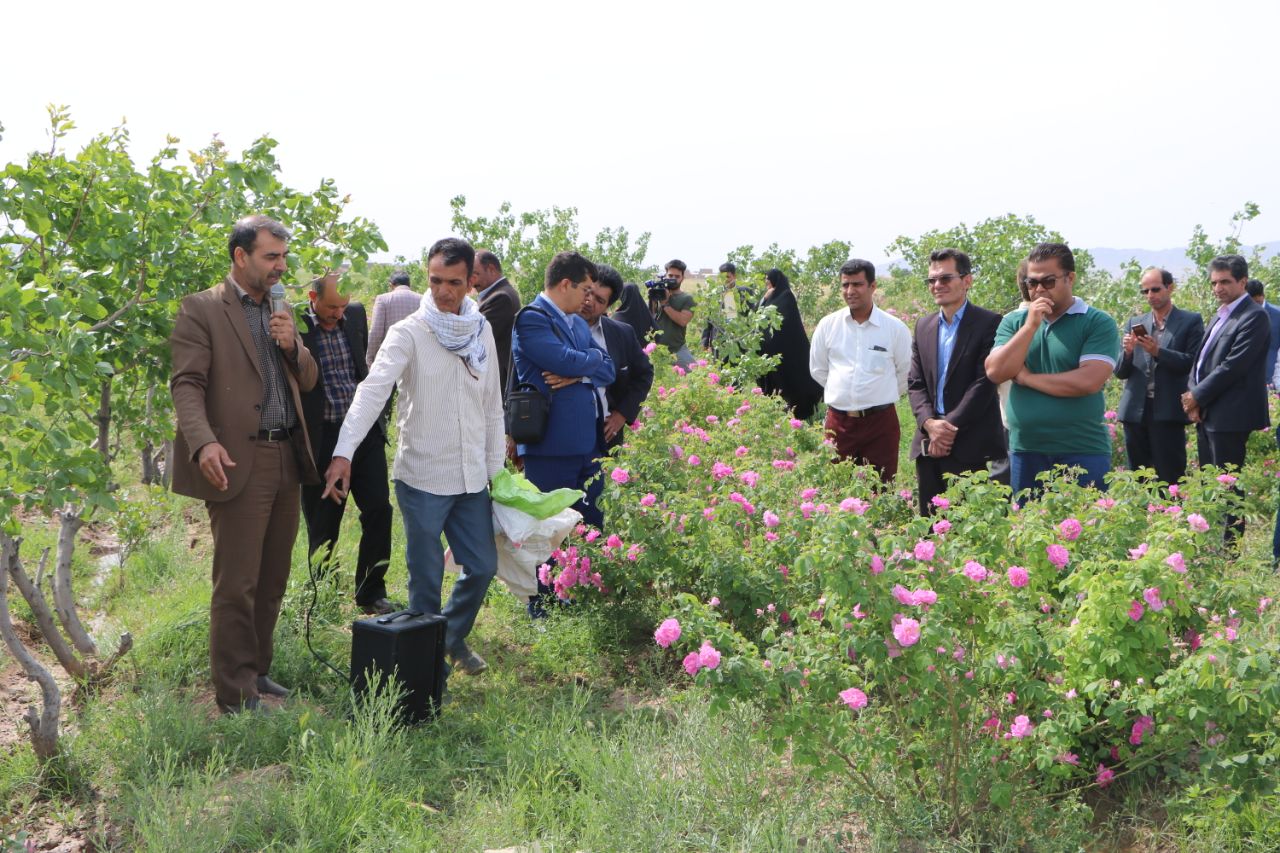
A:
[(511, 357)]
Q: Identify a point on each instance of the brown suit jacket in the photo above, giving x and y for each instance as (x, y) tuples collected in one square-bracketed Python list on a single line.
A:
[(217, 391)]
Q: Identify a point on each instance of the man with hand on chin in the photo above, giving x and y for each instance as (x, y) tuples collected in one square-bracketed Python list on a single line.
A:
[(1059, 352), (242, 448), (451, 442)]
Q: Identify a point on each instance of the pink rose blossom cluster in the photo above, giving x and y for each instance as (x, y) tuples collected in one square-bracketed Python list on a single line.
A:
[(750, 478), (906, 631), (1197, 522), (854, 698), (575, 571), (720, 470), (1140, 727), (924, 550), (649, 499), (784, 464), (1152, 596), (1058, 555), (940, 502), (1018, 576), (1176, 562), (854, 505), (706, 657), (1021, 727), (620, 475), (914, 598), (667, 633), (975, 571), (1070, 528)]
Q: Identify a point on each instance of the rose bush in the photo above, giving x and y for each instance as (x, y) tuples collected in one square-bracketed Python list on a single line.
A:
[(986, 657)]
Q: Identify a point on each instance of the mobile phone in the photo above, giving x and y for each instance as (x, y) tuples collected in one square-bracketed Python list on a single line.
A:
[(1139, 330)]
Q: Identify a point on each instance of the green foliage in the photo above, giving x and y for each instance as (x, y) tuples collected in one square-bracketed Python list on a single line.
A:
[(1126, 646), (815, 278), (526, 242), (95, 254)]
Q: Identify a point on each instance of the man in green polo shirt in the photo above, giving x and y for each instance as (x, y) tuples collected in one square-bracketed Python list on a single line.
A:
[(1059, 352)]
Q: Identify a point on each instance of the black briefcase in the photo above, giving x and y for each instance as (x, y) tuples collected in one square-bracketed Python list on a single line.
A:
[(406, 649)]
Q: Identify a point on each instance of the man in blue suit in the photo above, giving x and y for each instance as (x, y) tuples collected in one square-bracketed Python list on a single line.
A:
[(1227, 397), (1158, 349), (1257, 293), (554, 352), (626, 394)]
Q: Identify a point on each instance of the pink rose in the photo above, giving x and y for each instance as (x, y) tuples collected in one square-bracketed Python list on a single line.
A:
[(975, 571), (692, 663), (1021, 727), (620, 475), (796, 423), (648, 500), (694, 460), (741, 451), (1058, 555), (907, 632), (1139, 552), (1176, 562), (854, 698), (924, 550), (668, 632), (1136, 610), (1070, 529), (877, 564), (941, 527), (1197, 523), (721, 470), (854, 505), (1105, 776), (903, 595), (750, 478), (1140, 728), (613, 541), (771, 519), (1018, 576), (940, 502), (1226, 479), (708, 656), (1152, 596), (649, 348)]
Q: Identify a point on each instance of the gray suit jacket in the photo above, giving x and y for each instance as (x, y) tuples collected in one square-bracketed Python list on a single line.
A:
[(1179, 344)]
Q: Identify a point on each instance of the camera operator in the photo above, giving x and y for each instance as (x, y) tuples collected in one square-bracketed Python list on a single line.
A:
[(672, 311)]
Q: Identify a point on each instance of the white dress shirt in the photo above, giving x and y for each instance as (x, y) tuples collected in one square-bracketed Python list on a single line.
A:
[(451, 436), (860, 365)]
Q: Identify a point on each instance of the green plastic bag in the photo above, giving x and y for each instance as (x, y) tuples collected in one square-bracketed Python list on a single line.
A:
[(513, 490)]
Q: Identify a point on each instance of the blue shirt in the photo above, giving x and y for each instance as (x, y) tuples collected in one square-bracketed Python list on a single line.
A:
[(946, 346)]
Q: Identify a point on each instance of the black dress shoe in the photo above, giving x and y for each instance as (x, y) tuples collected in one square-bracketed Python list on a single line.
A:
[(380, 606), (270, 688)]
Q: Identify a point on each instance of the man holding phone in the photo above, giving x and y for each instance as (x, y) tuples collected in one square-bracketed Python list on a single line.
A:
[(1158, 349)]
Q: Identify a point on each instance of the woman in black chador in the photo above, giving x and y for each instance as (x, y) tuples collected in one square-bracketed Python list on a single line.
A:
[(791, 378)]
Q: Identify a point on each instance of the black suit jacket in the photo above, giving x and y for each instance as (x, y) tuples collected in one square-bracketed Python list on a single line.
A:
[(499, 307), (634, 372), (972, 402), (1231, 385), (356, 327), (1179, 342)]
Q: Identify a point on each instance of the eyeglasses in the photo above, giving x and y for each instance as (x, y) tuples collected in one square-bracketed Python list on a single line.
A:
[(1048, 282), (942, 279), (1151, 290)]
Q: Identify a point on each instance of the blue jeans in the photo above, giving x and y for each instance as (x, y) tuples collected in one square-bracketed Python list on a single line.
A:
[(1024, 466), (467, 523), (1275, 537)]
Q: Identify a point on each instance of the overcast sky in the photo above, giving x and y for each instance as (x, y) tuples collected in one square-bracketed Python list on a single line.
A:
[(710, 124)]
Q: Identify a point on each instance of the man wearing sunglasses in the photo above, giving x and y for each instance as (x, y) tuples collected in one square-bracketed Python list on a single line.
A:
[(1159, 347), (1059, 352)]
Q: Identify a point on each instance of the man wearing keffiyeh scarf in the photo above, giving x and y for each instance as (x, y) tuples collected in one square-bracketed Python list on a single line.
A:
[(459, 333)]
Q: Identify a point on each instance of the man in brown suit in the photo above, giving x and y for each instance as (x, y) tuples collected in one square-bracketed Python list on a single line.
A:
[(243, 449)]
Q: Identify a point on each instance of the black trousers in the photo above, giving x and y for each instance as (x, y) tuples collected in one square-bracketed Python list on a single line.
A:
[(1161, 445), (372, 493), (931, 477), (1222, 449)]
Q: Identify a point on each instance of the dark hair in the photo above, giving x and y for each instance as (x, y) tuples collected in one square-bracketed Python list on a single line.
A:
[(1022, 280), (485, 258), (454, 251), (729, 268), (676, 264), (1234, 264), (610, 278), (1053, 251), (1254, 287), (778, 279), (1166, 277), (853, 266), (399, 278), (244, 234), (572, 266), (321, 284), (963, 265)]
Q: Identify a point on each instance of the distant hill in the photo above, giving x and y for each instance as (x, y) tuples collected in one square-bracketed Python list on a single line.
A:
[(1174, 260)]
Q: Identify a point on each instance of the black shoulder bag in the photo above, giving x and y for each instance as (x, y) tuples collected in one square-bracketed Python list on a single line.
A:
[(527, 408)]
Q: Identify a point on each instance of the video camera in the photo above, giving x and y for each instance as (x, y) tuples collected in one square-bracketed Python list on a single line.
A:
[(658, 288)]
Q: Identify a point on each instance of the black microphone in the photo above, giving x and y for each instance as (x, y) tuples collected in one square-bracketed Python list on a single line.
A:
[(277, 300)]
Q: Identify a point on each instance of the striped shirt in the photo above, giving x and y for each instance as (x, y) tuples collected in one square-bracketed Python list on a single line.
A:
[(333, 354), (451, 437), (277, 404), (388, 309)]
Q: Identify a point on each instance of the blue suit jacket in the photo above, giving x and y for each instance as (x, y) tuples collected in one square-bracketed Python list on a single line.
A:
[(1231, 389), (545, 342), (634, 372), (1179, 345), (1273, 314)]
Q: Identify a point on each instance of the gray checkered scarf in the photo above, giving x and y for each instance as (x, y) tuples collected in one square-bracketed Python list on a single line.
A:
[(461, 333)]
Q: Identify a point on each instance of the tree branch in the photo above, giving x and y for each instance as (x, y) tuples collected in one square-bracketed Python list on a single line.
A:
[(12, 561), (63, 598), (44, 723)]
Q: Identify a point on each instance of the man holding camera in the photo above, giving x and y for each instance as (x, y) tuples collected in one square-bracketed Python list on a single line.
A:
[(672, 311)]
